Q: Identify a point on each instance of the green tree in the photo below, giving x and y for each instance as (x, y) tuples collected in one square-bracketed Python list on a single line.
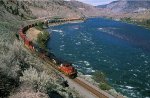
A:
[(148, 21), (42, 39), (104, 86), (100, 78)]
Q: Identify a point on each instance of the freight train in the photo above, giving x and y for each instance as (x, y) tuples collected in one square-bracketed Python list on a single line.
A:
[(61, 65)]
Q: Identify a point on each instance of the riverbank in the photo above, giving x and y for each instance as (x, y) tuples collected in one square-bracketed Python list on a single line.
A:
[(89, 79), (33, 32), (139, 23), (38, 30), (142, 23), (86, 93), (74, 41)]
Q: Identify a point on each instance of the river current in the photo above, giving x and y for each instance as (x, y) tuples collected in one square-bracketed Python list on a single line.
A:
[(120, 50)]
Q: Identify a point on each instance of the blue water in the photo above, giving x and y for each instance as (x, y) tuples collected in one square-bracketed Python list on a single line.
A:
[(120, 50)]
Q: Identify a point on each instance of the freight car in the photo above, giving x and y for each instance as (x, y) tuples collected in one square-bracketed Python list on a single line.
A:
[(66, 68)]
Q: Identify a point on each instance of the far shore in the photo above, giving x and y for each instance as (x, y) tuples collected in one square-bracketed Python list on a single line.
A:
[(130, 22)]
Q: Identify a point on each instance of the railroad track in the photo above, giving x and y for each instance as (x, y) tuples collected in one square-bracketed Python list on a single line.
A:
[(91, 89), (97, 93), (86, 86), (83, 84)]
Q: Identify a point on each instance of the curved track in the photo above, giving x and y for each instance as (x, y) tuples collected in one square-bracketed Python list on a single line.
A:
[(83, 84), (91, 89), (96, 92)]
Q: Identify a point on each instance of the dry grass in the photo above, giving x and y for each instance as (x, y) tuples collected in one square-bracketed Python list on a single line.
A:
[(22, 74), (37, 80), (32, 34), (29, 94)]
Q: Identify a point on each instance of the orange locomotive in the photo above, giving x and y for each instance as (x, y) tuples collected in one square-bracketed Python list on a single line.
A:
[(66, 69)]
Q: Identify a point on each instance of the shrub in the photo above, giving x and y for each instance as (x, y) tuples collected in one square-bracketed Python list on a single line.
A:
[(10, 67), (10, 59), (39, 81), (42, 39), (29, 94), (104, 86), (126, 19), (40, 26), (99, 76)]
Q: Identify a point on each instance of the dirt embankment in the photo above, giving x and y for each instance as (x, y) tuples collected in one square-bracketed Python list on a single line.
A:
[(32, 34)]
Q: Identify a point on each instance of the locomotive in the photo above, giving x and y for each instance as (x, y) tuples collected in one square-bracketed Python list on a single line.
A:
[(66, 68)]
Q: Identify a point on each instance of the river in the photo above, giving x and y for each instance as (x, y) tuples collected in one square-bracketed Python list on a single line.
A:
[(120, 50)]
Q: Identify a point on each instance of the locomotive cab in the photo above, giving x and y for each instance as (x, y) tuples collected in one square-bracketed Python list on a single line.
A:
[(68, 70)]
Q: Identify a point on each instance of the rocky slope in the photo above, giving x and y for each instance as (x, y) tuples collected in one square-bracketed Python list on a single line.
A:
[(52, 8), (62, 8), (21, 73), (17, 66)]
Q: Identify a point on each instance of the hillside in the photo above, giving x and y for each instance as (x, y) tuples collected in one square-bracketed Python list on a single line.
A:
[(21, 73), (62, 8), (85, 9), (127, 6), (130, 11), (52, 8)]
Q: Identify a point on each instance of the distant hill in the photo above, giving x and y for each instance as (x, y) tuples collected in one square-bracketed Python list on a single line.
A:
[(128, 6), (84, 9), (101, 6)]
